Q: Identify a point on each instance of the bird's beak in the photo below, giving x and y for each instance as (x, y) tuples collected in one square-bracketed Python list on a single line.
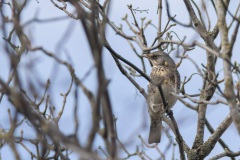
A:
[(145, 55)]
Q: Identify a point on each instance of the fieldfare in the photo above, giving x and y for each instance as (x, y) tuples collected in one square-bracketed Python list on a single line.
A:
[(164, 72)]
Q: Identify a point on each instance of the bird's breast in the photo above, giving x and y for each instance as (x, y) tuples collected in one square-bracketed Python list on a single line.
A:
[(160, 72)]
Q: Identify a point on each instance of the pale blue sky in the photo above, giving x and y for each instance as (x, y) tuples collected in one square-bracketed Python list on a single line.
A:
[(129, 106)]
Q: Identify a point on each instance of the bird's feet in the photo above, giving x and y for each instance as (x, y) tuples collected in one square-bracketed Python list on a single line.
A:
[(169, 112)]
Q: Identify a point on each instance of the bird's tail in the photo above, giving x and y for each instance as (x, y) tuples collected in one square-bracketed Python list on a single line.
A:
[(155, 132)]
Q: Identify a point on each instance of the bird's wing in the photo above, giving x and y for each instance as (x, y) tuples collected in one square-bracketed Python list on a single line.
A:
[(177, 80), (154, 99)]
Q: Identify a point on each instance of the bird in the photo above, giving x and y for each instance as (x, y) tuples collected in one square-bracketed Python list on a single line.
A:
[(164, 73)]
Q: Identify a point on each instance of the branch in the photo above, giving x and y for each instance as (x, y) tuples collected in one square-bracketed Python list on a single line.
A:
[(116, 57), (174, 123), (225, 154), (208, 88), (229, 87), (207, 147)]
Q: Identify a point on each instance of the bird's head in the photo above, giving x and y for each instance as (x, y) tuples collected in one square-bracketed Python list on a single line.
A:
[(160, 58)]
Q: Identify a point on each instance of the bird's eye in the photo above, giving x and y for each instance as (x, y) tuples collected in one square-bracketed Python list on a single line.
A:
[(154, 56)]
